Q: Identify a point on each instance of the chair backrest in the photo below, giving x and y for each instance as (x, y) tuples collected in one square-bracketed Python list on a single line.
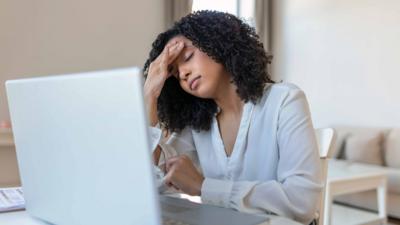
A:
[(325, 139)]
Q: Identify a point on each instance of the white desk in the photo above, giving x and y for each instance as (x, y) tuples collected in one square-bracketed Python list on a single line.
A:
[(18, 217), (23, 218), (344, 178)]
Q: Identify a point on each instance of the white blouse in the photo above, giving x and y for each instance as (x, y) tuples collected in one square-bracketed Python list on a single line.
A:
[(274, 166)]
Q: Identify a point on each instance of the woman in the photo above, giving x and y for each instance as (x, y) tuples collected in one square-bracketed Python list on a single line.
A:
[(207, 86)]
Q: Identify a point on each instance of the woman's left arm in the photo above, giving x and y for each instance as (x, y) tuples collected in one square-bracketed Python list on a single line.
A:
[(297, 190)]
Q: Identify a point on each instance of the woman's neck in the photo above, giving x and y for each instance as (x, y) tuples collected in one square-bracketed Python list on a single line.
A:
[(228, 100)]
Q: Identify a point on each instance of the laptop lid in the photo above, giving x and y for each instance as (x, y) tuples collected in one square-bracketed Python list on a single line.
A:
[(82, 148)]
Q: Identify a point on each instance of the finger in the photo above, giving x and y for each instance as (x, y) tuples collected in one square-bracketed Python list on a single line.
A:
[(174, 52), (164, 62), (171, 44), (168, 180), (175, 46), (166, 47), (185, 157), (172, 185), (170, 163)]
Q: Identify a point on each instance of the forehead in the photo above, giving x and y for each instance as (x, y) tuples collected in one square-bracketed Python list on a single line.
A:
[(180, 38)]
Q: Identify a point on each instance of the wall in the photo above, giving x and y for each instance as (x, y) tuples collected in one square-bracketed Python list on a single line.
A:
[(45, 37), (345, 54)]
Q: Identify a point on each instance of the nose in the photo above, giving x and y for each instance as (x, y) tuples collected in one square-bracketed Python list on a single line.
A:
[(184, 74)]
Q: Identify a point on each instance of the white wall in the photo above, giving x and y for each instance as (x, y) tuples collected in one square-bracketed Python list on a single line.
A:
[(43, 37), (345, 54)]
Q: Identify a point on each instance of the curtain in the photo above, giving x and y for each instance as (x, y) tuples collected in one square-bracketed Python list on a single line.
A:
[(175, 9), (263, 22)]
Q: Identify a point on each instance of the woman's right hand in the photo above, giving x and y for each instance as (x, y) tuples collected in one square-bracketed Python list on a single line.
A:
[(157, 74)]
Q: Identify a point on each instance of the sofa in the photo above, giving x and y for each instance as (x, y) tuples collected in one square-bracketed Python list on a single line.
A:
[(373, 147)]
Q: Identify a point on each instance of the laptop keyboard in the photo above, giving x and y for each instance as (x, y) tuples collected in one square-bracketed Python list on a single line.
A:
[(168, 221)]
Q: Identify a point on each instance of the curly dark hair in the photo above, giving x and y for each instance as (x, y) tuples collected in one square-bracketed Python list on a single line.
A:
[(228, 41)]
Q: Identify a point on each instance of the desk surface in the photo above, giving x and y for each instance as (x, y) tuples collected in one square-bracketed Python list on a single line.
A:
[(23, 218), (340, 170)]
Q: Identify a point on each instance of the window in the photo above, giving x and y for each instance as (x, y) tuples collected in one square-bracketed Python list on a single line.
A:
[(244, 9)]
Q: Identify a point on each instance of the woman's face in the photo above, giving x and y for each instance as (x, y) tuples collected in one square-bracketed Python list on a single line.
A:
[(197, 73)]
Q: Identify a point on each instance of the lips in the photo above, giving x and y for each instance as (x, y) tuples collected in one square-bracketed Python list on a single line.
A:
[(193, 83)]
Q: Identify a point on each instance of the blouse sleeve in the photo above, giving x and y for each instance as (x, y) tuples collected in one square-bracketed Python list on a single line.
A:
[(296, 192), (176, 144)]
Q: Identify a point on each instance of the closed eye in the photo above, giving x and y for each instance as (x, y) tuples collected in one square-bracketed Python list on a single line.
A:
[(189, 57), (184, 60)]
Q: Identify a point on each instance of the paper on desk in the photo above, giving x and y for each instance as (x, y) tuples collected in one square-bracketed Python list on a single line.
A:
[(11, 199)]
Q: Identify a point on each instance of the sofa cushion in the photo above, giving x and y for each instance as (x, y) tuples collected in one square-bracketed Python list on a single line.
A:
[(393, 184), (338, 145), (343, 132), (365, 147), (392, 148)]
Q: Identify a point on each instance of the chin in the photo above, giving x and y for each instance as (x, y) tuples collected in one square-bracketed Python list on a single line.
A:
[(201, 93)]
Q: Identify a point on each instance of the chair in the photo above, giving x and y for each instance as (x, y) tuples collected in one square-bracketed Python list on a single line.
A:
[(325, 138)]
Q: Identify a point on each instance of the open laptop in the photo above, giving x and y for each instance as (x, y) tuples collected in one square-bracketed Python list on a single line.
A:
[(83, 153)]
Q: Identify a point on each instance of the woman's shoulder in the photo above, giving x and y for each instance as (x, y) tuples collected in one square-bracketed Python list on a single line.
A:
[(278, 92), (282, 87), (282, 97)]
